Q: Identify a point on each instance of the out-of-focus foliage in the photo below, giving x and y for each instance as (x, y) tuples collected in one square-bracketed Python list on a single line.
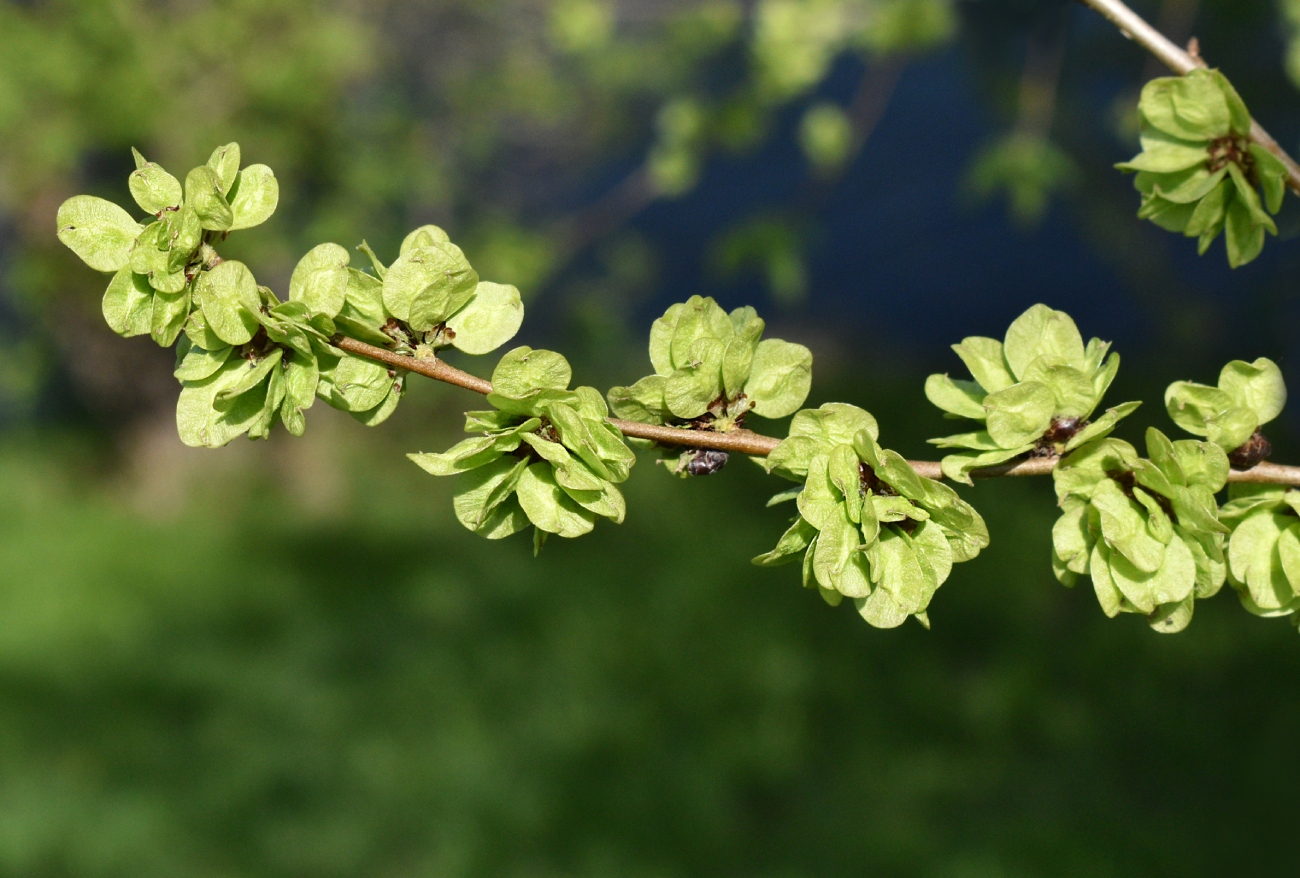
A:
[(826, 135), (248, 697), (1028, 168), (377, 117), (771, 247), (791, 48), (79, 77), (1290, 10), (796, 40)]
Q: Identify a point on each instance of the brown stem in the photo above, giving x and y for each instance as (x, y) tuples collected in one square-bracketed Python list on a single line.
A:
[(749, 442), (428, 367), (1181, 62), (1267, 474)]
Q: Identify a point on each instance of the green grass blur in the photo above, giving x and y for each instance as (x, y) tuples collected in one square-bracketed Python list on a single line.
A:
[(288, 659)]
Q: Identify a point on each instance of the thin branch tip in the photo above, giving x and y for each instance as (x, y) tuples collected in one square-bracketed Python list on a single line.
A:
[(1182, 62)]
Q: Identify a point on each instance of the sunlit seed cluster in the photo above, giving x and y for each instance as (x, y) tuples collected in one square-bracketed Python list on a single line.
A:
[(244, 358), (1148, 531)]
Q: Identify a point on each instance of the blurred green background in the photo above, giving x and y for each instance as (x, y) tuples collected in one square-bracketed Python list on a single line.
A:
[(288, 659)]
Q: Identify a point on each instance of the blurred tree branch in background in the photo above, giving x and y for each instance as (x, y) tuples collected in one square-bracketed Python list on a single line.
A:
[(484, 116)]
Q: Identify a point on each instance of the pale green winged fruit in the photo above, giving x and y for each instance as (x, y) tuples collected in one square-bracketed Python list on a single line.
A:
[(869, 528), (204, 195), (153, 188), (98, 231), (1199, 172), (438, 300), (545, 456), (228, 298), (1146, 530), (153, 264), (287, 362), (351, 301), (367, 390), (1249, 395), (252, 193), (320, 280), (712, 370), (167, 252), (160, 266), (245, 359), (225, 162), (1035, 393), (1264, 548), (253, 197), (482, 317), (233, 389)]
